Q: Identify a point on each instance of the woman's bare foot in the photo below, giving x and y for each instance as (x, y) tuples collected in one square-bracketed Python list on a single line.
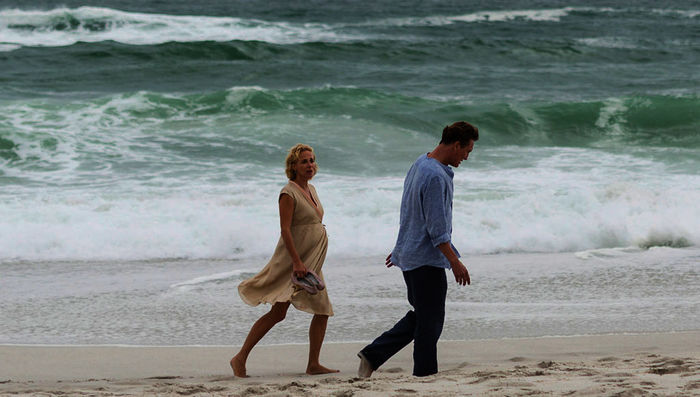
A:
[(319, 370), (238, 367)]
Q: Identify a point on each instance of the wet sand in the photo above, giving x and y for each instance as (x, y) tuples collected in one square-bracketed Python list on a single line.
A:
[(624, 365)]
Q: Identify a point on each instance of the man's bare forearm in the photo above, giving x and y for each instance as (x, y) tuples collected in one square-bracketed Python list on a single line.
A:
[(446, 249)]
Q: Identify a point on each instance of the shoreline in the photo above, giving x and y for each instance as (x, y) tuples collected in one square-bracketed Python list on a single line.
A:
[(662, 363), (349, 342)]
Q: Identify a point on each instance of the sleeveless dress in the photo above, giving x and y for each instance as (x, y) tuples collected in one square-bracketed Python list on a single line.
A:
[(273, 283)]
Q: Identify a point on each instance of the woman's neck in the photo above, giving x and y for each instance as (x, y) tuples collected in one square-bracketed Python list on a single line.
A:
[(304, 184)]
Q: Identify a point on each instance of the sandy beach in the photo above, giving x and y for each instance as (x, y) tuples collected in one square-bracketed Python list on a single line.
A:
[(599, 365)]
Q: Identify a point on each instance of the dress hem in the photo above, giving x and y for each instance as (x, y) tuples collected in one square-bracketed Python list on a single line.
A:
[(272, 302)]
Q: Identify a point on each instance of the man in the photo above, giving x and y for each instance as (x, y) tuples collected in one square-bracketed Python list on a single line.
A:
[(423, 251)]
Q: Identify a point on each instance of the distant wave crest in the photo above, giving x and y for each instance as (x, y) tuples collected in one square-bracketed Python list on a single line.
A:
[(548, 15), (65, 26), (530, 15)]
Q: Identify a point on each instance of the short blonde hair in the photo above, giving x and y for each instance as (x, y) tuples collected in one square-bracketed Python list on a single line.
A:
[(293, 156)]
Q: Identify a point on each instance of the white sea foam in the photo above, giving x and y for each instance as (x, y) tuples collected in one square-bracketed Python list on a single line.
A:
[(558, 205), (610, 116), (9, 47), (606, 252), (218, 277), (67, 26), (677, 12), (549, 15), (64, 26), (139, 226), (578, 199), (536, 15), (609, 42)]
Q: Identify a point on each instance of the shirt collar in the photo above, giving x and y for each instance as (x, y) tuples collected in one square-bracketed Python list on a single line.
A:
[(447, 168)]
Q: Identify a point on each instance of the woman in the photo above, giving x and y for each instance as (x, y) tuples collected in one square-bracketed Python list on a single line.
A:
[(302, 247)]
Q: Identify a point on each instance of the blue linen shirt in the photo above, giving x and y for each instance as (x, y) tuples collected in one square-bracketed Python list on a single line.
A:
[(426, 215)]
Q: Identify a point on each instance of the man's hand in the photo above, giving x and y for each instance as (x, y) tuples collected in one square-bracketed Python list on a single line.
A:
[(459, 270), (388, 262), (461, 273)]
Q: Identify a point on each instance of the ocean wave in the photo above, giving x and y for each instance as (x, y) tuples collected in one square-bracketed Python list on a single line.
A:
[(677, 13), (566, 201), (149, 175), (661, 120), (65, 26), (537, 15), (610, 42), (51, 141), (161, 55), (527, 15)]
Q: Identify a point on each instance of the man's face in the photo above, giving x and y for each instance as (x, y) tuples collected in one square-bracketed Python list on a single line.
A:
[(461, 152)]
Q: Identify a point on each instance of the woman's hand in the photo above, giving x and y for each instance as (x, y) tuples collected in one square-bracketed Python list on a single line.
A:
[(299, 270)]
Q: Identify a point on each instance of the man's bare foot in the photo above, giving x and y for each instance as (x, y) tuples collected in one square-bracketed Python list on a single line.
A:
[(319, 370), (238, 367)]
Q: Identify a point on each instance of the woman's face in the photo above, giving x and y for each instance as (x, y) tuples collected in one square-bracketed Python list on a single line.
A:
[(305, 166)]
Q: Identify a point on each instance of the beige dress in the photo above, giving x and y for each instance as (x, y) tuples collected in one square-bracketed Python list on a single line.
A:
[(273, 283)]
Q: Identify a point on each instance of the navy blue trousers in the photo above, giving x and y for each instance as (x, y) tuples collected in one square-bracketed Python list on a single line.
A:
[(427, 289)]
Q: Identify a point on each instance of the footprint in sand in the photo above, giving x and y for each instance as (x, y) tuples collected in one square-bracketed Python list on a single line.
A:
[(295, 384), (692, 385), (634, 392), (668, 365), (546, 364), (183, 390), (512, 383), (619, 375), (254, 391), (587, 391), (484, 376), (587, 372)]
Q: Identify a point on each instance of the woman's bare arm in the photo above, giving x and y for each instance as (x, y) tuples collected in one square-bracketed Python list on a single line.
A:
[(286, 212)]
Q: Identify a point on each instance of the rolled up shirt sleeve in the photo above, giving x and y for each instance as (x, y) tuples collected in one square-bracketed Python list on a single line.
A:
[(434, 202)]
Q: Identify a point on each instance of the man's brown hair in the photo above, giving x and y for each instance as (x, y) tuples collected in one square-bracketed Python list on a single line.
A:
[(461, 132)]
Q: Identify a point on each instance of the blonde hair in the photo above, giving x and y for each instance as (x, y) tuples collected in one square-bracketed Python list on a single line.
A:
[(293, 156)]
